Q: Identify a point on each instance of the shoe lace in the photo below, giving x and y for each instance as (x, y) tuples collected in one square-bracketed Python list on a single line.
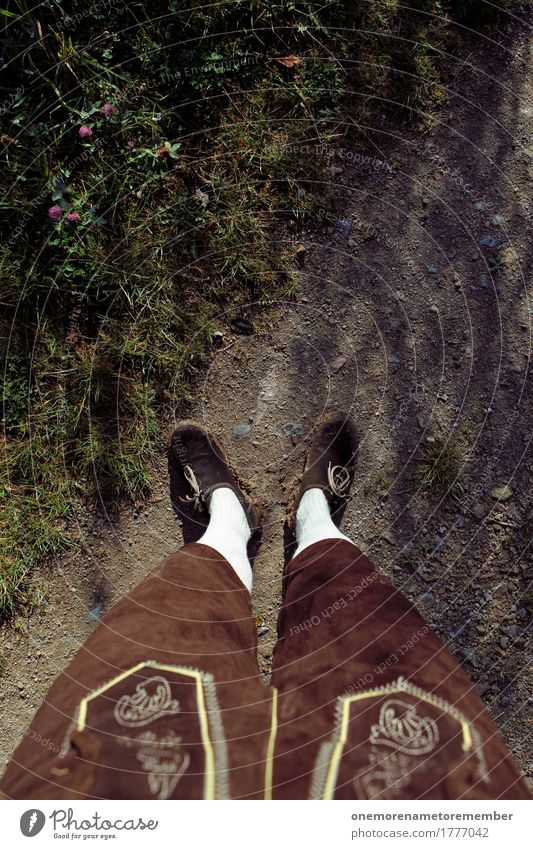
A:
[(197, 497), (339, 481)]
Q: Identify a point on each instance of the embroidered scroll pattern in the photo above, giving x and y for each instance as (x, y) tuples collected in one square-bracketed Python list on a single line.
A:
[(385, 777), (400, 727), (400, 741), (408, 734), (163, 758), (151, 700)]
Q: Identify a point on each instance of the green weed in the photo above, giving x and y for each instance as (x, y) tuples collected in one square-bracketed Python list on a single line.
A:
[(441, 466)]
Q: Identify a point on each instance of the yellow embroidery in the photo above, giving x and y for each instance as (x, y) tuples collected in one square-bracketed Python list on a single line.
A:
[(269, 765)]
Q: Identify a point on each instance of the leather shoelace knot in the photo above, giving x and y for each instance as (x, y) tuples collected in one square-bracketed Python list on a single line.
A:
[(197, 497), (339, 480)]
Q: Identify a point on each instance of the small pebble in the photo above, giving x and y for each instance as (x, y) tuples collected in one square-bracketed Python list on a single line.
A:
[(337, 364), (344, 225), (241, 430), (478, 510), (292, 429)]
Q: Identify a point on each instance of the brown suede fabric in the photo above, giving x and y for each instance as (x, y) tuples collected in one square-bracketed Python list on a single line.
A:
[(165, 700)]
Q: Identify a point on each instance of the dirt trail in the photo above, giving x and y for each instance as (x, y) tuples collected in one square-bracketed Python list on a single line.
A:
[(414, 315)]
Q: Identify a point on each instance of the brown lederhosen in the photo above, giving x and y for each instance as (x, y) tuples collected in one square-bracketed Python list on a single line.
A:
[(164, 700)]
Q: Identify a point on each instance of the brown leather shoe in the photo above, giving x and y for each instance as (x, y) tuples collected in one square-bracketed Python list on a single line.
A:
[(330, 463), (198, 466)]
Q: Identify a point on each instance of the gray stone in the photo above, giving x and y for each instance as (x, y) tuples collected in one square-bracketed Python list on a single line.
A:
[(478, 510), (95, 614), (292, 429), (242, 430), (344, 225), (389, 537), (338, 363), (513, 513)]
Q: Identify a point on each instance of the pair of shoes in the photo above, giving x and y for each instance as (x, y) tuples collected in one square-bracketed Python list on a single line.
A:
[(199, 465)]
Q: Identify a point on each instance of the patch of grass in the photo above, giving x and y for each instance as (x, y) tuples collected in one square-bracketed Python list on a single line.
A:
[(441, 466), (202, 127)]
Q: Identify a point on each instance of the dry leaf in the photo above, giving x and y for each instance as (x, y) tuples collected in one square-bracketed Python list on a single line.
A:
[(203, 197), (288, 61), (299, 254), (209, 228)]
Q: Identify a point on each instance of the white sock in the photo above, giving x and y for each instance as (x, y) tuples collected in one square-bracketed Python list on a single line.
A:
[(313, 520), (228, 532)]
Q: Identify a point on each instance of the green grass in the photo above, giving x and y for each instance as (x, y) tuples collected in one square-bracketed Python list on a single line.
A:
[(441, 466), (105, 321)]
